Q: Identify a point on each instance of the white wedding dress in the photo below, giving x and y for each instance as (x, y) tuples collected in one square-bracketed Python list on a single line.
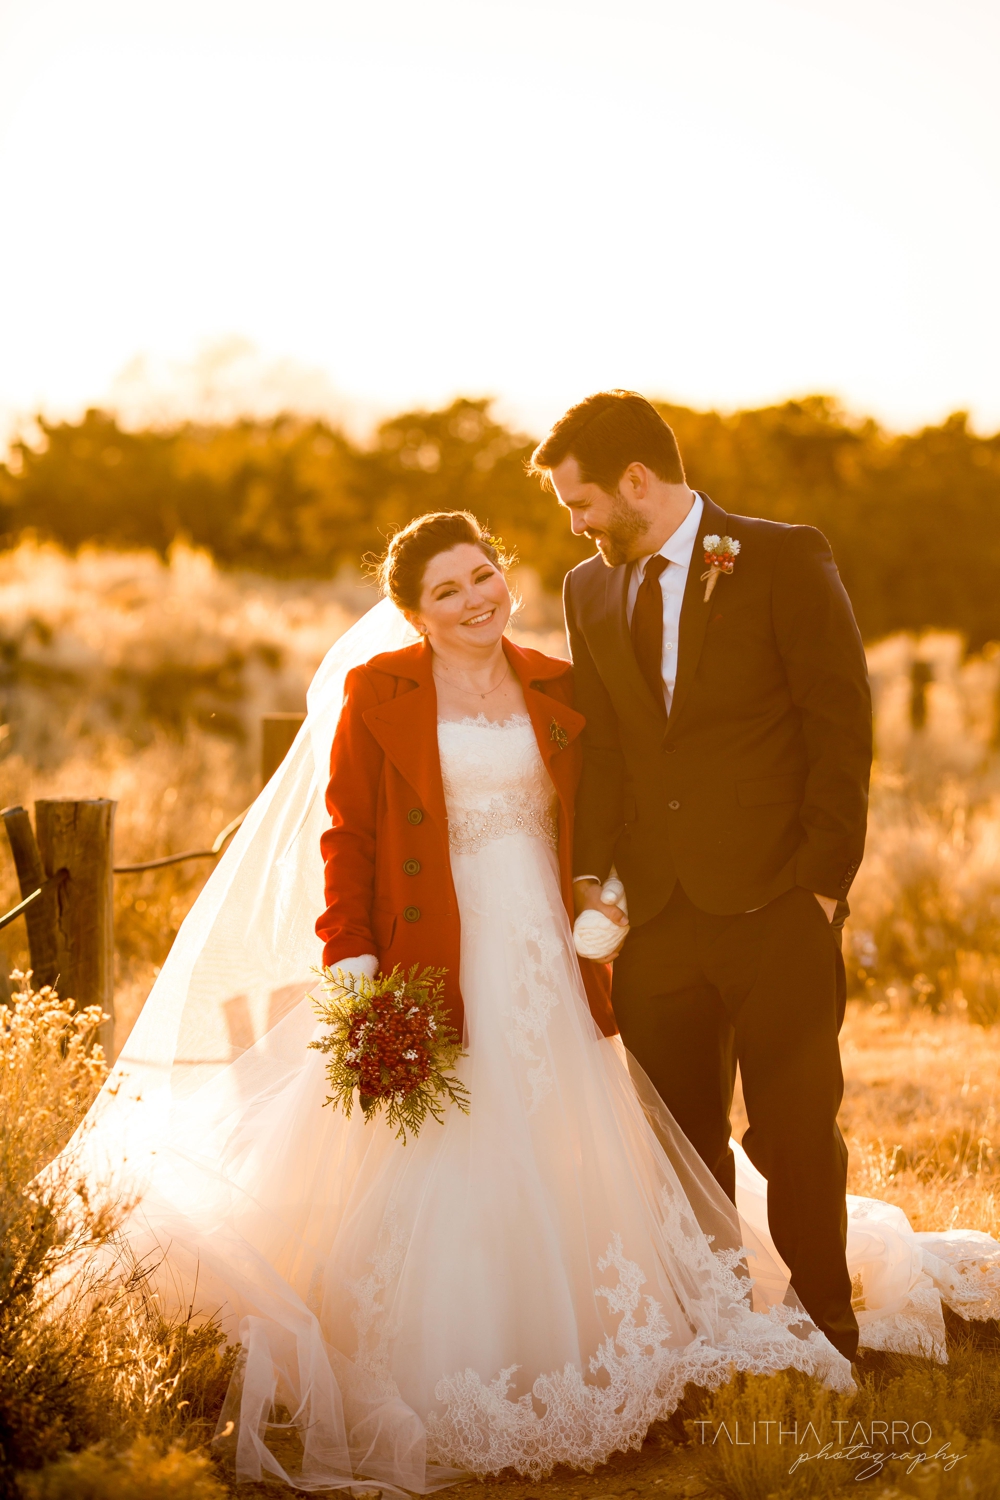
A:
[(521, 1286), (530, 1284)]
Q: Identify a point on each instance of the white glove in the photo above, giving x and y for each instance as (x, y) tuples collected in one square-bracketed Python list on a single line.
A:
[(349, 968), (594, 934)]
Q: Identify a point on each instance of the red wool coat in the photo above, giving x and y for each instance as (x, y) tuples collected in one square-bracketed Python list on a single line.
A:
[(389, 887)]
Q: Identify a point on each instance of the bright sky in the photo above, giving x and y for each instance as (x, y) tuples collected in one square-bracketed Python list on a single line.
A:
[(722, 202)]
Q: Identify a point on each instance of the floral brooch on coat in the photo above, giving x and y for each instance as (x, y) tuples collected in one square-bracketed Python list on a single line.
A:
[(720, 554)]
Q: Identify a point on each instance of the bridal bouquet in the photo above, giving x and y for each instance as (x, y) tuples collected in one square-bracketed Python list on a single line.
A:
[(391, 1040)]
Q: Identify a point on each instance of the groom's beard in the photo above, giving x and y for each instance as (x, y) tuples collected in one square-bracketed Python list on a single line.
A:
[(616, 541)]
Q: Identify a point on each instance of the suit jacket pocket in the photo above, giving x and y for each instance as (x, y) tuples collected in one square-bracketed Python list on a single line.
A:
[(765, 789), (383, 925)]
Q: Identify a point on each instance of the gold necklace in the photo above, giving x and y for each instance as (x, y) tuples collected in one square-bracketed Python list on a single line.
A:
[(474, 692)]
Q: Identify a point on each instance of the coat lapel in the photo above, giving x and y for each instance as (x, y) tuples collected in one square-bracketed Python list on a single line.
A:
[(557, 726), (406, 726), (555, 723), (694, 610)]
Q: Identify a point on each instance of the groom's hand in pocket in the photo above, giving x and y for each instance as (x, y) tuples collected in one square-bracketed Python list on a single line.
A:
[(829, 905)]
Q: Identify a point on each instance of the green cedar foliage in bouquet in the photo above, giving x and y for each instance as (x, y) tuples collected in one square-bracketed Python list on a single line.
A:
[(391, 1040)]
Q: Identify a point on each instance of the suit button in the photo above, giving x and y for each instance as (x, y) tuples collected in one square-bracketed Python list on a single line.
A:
[(411, 866), (669, 749), (673, 806), (414, 815), (411, 914)]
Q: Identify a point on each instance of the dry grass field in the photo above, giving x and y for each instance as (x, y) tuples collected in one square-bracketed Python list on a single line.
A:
[(126, 677), (134, 1397)]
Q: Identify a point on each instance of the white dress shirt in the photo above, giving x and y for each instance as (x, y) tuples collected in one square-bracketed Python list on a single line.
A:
[(678, 550)]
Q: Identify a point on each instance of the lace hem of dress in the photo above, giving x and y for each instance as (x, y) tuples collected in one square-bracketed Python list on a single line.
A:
[(964, 1265), (960, 1269), (472, 829), (483, 1429), (918, 1327)]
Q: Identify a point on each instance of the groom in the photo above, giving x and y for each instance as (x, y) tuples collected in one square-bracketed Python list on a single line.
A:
[(726, 761)]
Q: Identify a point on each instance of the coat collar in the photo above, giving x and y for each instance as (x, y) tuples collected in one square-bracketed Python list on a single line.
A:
[(406, 725), (415, 663)]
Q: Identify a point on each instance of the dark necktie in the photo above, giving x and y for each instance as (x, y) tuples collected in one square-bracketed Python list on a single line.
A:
[(647, 627)]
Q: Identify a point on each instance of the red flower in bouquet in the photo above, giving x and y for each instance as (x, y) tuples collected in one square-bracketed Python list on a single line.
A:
[(390, 1039)]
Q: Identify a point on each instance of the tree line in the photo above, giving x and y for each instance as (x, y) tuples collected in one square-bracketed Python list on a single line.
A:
[(913, 518)]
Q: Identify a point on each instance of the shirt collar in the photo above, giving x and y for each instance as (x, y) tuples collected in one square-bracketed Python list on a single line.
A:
[(679, 547)]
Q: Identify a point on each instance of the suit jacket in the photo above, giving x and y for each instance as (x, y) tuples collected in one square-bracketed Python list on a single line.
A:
[(389, 886), (758, 780)]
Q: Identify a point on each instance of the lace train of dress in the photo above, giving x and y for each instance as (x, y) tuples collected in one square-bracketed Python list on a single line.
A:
[(533, 1283), (900, 1278)]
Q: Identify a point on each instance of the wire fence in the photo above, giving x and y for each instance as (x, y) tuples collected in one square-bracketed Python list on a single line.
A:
[(176, 859), (65, 869)]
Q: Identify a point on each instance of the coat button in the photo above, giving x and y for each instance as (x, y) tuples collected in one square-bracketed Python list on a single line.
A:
[(411, 914), (669, 749), (411, 866), (673, 806), (414, 815)]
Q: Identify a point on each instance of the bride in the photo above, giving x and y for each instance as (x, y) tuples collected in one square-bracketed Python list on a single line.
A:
[(532, 1283)]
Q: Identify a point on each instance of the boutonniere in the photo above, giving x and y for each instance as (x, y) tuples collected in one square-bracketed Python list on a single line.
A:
[(558, 734), (720, 554)]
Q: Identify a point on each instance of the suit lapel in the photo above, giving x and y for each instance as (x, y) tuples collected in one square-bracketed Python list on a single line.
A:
[(613, 625), (694, 610)]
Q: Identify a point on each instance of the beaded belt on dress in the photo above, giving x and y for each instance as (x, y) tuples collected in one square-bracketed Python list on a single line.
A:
[(470, 829)]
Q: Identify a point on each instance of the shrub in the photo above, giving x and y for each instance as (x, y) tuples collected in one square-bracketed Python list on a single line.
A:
[(956, 1405), (142, 1472), (85, 1353)]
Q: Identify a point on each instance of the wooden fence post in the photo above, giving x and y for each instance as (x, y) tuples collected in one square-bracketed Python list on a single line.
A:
[(40, 918), (921, 677), (78, 837), (277, 733)]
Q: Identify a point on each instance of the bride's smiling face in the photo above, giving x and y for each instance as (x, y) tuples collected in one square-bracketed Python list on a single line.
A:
[(464, 600)]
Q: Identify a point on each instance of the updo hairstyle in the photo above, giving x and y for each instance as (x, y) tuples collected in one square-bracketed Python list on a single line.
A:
[(400, 570)]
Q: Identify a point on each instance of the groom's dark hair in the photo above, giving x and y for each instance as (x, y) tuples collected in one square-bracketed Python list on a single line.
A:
[(605, 434)]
